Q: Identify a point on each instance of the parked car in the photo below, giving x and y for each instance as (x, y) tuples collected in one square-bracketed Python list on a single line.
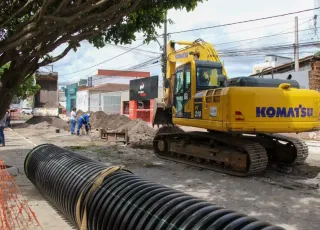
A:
[(26, 111)]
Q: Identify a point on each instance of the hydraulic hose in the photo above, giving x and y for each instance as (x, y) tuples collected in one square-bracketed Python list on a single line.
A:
[(97, 196)]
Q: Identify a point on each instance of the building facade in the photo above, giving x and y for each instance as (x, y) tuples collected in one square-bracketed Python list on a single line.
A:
[(62, 97), (271, 61), (47, 96), (71, 96), (106, 98), (308, 75)]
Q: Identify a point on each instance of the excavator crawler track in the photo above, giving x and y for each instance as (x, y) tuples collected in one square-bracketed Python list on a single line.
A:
[(295, 150), (221, 152)]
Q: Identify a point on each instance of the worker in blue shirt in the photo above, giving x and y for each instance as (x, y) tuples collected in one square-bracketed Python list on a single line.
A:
[(83, 120)]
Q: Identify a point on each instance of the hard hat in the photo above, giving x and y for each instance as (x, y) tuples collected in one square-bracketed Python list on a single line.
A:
[(88, 114)]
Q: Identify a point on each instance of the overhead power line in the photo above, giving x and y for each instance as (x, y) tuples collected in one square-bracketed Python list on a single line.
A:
[(241, 22), (250, 29), (142, 50), (238, 52), (103, 61), (272, 35)]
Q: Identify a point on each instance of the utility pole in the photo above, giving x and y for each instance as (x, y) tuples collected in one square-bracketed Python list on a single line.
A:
[(296, 46), (164, 54)]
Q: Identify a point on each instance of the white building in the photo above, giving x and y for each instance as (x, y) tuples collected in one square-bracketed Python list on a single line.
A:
[(62, 97), (308, 75), (105, 98), (271, 61)]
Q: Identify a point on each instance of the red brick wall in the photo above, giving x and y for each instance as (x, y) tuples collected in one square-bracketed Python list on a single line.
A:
[(122, 73)]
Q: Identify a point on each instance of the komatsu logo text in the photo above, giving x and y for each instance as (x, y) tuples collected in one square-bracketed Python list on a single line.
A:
[(284, 112)]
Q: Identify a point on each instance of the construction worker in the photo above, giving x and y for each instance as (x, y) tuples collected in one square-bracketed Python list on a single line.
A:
[(3, 124), (73, 121), (83, 120), (8, 118)]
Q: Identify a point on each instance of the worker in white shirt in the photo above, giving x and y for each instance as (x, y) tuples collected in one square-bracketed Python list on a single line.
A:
[(73, 116), (3, 123)]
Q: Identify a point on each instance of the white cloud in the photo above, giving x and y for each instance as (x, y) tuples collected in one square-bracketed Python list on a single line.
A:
[(206, 14)]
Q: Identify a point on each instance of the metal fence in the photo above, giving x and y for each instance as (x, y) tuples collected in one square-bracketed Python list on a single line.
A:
[(95, 102), (111, 102)]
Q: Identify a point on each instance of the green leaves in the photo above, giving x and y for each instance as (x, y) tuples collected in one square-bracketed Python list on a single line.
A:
[(149, 16), (31, 29), (28, 86)]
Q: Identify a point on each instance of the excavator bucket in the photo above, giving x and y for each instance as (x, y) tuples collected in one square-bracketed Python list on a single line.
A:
[(162, 116)]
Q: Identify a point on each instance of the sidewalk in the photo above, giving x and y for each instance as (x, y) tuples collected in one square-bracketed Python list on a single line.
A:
[(14, 153)]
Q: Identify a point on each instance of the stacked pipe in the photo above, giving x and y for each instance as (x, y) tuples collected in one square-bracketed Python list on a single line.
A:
[(95, 196)]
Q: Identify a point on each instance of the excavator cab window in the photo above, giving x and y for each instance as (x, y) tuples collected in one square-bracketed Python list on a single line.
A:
[(207, 77), (178, 93), (182, 90)]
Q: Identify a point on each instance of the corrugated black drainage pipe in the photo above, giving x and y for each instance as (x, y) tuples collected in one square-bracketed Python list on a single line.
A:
[(95, 196)]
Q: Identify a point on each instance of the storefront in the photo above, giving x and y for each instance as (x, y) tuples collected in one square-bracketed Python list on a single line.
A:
[(142, 93), (71, 96)]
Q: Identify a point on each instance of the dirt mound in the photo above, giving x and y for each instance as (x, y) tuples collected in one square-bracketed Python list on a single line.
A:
[(79, 113), (44, 123), (138, 130), (143, 138), (101, 120)]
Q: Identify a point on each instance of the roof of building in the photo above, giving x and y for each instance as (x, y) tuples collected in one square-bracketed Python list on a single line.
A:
[(41, 75), (82, 87), (289, 66), (109, 87), (122, 73)]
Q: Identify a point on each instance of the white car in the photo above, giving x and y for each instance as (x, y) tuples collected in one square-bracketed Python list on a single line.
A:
[(26, 111)]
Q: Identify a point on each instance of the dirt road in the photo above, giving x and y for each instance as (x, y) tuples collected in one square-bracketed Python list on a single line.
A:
[(291, 200)]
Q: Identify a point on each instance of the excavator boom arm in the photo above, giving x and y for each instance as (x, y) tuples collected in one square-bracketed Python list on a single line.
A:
[(197, 50)]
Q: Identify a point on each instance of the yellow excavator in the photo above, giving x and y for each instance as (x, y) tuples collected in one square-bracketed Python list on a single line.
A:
[(242, 116)]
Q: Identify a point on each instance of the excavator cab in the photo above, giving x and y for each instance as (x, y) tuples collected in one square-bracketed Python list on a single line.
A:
[(188, 79)]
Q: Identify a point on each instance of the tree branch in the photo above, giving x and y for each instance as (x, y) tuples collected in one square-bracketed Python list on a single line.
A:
[(57, 58), (31, 26), (19, 42), (43, 8), (28, 33), (84, 7), (17, 13), (86, 35), (63, 4), (87, 9)]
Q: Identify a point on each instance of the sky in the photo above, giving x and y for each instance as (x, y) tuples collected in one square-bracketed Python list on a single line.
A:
[(209, 13)]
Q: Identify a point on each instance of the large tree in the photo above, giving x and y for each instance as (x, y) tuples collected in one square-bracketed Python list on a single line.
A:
[(31, 29), (27, 88)]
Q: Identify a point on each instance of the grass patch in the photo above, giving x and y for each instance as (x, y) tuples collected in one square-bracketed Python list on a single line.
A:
[(99, 150), (148, 164), (77, 147)]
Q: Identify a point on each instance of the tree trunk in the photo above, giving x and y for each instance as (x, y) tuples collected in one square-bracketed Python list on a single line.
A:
[(10, 81)]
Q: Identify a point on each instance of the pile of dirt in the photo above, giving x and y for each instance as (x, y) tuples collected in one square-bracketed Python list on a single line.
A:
[(138, 130), (112, 122), (44, 123), (79, 113), (140, 133)]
